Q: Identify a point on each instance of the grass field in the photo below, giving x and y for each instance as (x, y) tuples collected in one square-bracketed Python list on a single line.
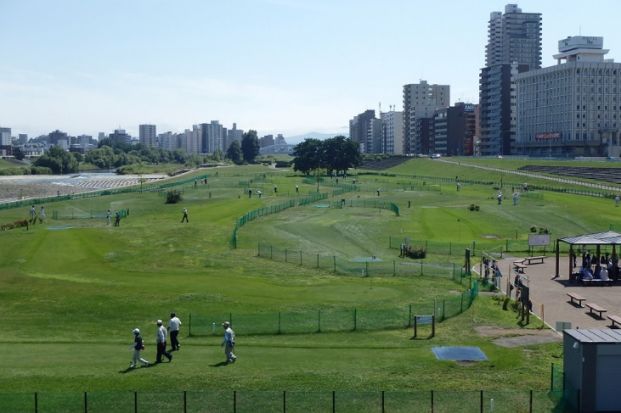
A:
[(72, 290)]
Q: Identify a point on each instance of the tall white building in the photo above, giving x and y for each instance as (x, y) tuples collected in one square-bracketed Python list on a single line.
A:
[(421, 100), (212, 137), (574, 107), (392, 131), (5, 136)]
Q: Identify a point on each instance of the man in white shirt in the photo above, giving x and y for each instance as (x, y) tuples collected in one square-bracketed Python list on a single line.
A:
[(229, 342), (160, 341), (173, 329)]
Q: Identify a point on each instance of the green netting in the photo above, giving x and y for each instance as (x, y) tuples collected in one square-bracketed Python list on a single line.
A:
[(17, 402), (331, 319)]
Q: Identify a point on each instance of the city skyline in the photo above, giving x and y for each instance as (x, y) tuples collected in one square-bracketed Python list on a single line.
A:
[(277, 66)]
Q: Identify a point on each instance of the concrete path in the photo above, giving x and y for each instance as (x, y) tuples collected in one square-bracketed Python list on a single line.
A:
[(552, 294)]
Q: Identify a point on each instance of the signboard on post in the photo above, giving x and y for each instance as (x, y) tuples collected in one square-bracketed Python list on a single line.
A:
[(538, 240)]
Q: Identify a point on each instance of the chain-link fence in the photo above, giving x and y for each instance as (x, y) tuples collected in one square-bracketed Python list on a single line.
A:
[(140, 187), (363, 266), (333, 319), (240, 401), (366, 203), (476, 247)]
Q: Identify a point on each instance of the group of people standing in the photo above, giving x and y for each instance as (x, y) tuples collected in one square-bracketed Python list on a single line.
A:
[(491, 269), (174, 326)]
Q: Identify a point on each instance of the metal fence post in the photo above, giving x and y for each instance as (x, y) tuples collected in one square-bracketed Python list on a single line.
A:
[(409, 323), (285, 255), (421, 268), (383, 401), (85, 402), (333, 401), (234, 401), (317, 260), (432, 401), (36, 402), (279, 322), (319, 321), (135, 402), (284, 401), (185, 402), (190, 325), (481, 402), (334, 261), (355, 321), (530, 401), (300, 258), (394, 268)]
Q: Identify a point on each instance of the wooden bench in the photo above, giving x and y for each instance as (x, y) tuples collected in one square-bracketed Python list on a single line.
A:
[(576, 299), (615, 321), (596, 308), (519, 267), (535, 260)]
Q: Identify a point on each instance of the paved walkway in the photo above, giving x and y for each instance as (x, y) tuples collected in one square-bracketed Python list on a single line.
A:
[(553, 294)]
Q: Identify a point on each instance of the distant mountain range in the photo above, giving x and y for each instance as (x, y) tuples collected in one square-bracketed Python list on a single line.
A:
[(316, 135)]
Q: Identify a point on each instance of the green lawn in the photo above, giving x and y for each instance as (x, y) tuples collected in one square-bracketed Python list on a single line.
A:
[(71, 294)]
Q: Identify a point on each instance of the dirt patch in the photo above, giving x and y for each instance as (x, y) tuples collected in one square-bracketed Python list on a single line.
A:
[(529, 340), (491, 331), (490, 236), (518, 337)]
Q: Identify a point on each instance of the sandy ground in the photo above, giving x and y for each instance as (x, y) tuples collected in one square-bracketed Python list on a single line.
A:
[(14, 188), (549, 296)]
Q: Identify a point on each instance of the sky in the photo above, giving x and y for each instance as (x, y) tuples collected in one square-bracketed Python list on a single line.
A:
[(276, 66)]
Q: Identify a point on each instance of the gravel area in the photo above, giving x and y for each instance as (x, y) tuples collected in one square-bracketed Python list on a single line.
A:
[(13, 188)]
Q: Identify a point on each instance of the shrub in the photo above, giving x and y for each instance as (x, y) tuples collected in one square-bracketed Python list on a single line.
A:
[(533, 229), (416, 252), (13, 225), (544, 231), (172, 197), (473, 207)]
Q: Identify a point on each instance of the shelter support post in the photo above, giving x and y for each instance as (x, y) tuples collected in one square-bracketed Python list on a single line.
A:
[(557, 258)]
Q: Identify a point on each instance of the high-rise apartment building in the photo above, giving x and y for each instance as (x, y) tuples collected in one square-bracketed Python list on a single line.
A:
[(234, 134), (212, 137), (359, 129), (148, 135), (513, 47), (392, 132), (421, 100), (574, 107)]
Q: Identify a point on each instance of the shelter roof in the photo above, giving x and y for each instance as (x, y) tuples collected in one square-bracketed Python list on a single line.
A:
[(595, 335), (598, 238)]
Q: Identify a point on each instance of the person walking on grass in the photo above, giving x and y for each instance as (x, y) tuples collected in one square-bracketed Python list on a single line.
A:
[(185, 216), (117, 219), (173, 329), (108, 217), (160, 341), (229, 342), (33, 215), (138, 346), (42, 215)]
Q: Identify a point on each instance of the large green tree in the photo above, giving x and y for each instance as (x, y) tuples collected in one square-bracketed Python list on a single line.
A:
[(339, 154), (334, 154), (307, 155), (250, 146), (58, 160), (234, 152)]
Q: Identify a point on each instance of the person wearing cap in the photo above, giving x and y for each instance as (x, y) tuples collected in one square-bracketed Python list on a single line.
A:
[(138, 346), (173, 329), (229, 342), (160, 341)]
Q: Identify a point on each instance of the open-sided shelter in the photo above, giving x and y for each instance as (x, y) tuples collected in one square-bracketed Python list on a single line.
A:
[(594, 240)]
